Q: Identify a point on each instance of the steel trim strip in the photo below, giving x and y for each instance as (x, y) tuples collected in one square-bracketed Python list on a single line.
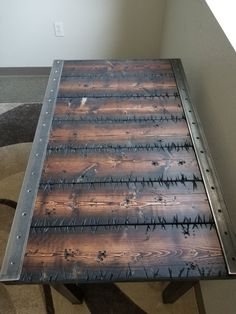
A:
[(14, 255), (218, 207)]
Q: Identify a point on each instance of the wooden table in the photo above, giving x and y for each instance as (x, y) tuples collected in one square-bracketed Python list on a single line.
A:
[(116, 188)]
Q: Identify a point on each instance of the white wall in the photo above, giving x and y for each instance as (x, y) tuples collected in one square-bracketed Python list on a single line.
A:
[(192, 34), (93, 29)]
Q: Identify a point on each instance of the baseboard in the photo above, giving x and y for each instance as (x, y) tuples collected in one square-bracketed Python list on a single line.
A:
[(11, 71)]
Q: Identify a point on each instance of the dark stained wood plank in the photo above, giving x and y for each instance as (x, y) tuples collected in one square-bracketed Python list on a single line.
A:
[(65, 132), (158, 106), (135, 87), (119, 205), (119, 253), (88, 67), (167, 145), (164, 150), (76, 168)]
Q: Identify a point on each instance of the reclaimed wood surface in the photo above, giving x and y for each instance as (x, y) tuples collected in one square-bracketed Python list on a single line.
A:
[(121, 196), (144, 252), (106, 204)]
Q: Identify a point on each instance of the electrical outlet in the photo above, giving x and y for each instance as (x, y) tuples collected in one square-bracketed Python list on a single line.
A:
[(59, 29)]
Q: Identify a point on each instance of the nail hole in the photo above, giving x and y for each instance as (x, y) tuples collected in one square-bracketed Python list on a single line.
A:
[(23, 214), (212, 187), (201, 151), (233, 258), (193, 122), (226, 233), (207, 170), (197, 138), (219, 210), (190, 111), (18, 237), (28, 190)]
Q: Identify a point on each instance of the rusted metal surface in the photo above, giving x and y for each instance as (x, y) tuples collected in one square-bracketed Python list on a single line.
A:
[(121, 196)]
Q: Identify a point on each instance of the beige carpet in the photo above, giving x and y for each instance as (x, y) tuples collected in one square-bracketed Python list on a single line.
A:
[(28, 299)]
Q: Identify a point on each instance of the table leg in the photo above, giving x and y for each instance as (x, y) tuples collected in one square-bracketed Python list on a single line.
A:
[(71, 292), (175, 290), (100, 298), (103, 298), (48, 299)]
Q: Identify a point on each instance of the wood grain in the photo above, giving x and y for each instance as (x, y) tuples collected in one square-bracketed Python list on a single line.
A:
[(67, 132), (88, 67), (95, 167), (136, 87), (123, 253), (79, 107), (119, 205)]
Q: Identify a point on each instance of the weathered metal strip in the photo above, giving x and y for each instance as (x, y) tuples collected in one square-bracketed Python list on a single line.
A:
[(12, 264), (220, 213)]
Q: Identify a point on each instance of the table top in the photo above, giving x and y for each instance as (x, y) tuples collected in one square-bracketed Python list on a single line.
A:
[(114, 189)]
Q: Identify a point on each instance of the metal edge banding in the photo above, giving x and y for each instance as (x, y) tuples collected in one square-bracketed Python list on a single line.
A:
[(15, 250), (220, 213)]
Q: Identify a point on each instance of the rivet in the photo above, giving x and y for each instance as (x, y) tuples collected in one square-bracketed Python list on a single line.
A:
[(23, 214)]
